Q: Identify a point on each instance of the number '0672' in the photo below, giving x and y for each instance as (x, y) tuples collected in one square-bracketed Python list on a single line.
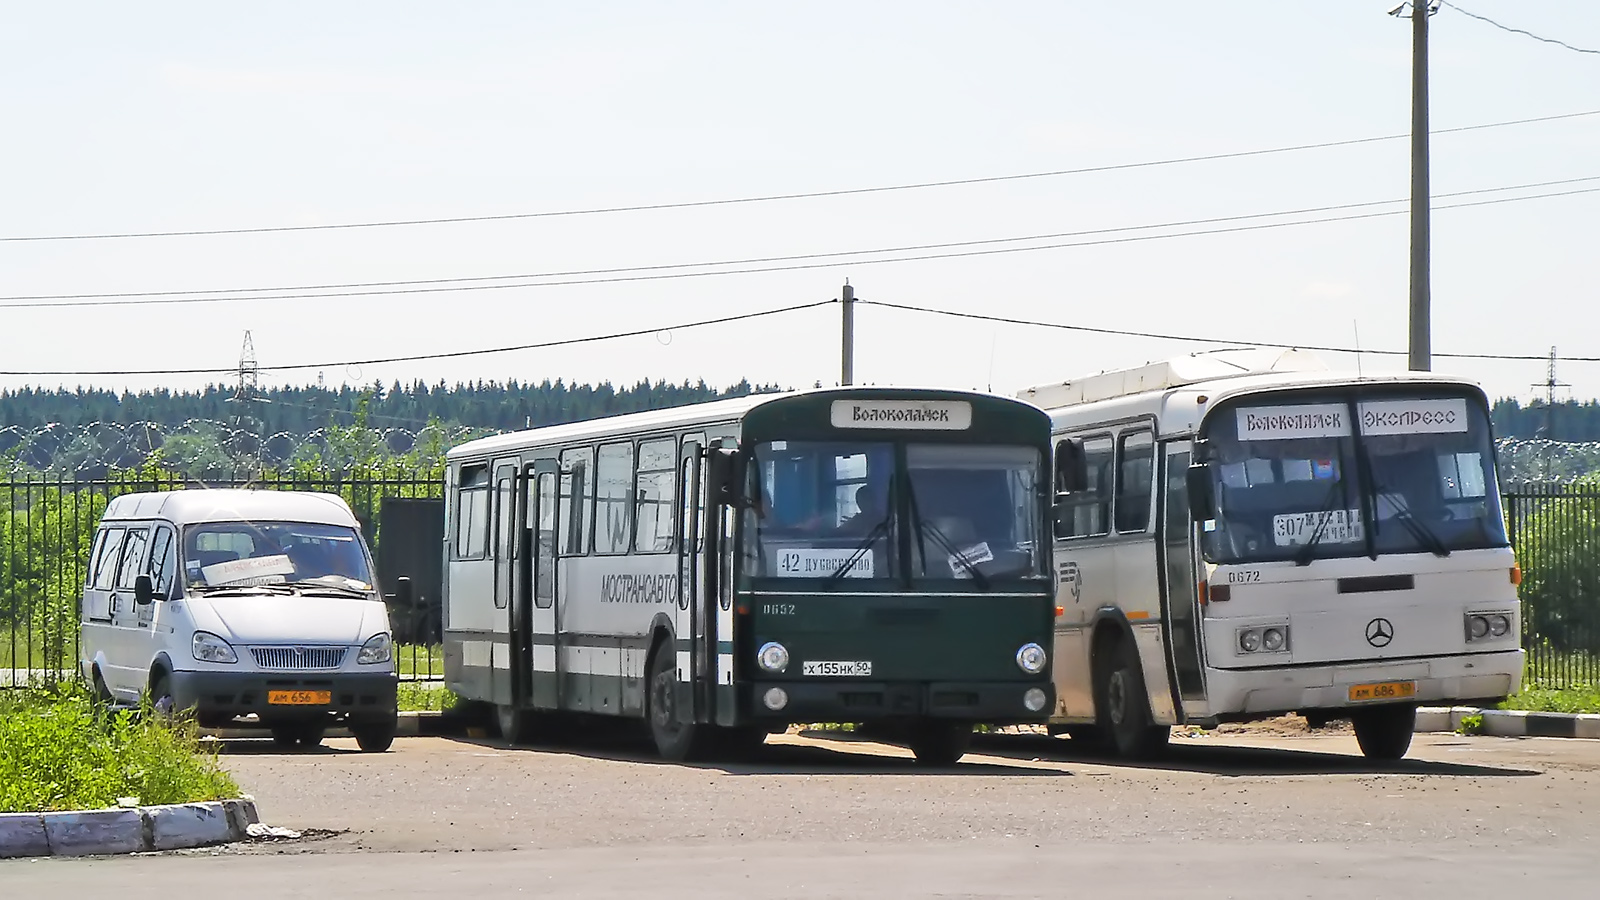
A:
[(1245, 576)]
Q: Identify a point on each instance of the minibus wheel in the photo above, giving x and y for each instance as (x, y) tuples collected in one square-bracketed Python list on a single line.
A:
[(1384, 732), (374, 737)]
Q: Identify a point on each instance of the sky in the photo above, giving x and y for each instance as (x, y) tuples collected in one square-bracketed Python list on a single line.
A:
[(140, 118)]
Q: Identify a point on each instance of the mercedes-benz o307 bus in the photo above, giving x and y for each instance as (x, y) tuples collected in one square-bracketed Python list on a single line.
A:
[(1243, 534), (726, 569)]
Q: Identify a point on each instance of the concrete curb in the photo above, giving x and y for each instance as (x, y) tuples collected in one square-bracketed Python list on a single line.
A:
[(1510, 722), (407, 724), (102, 832)]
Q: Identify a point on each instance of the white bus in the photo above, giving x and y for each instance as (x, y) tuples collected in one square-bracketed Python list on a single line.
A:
[(1243, 534), (726, 569)]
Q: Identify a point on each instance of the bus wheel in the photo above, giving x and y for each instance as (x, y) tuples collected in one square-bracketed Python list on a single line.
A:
[(1384, 732), (516, 725), (939, 743), (1122, 706), (674, 738)]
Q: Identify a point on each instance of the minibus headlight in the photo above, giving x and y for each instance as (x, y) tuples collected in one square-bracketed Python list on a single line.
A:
[(210, 648), (378, 649), (1031, 658), (773, 656)]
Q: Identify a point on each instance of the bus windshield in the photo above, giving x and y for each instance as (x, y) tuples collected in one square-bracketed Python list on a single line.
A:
[(840, 509), (1294, 481)]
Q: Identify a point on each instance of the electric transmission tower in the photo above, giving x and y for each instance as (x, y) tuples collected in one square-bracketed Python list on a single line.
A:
[(1547, 430), (246, 397)]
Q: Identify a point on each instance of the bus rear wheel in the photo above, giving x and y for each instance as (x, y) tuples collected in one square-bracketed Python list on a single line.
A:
[(1384, 732), (939, 743), (1122, 706), (516, 725)]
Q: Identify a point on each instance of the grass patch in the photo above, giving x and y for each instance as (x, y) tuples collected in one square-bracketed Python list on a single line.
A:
[(26, 648), (59, 750), (1585, 699), (425, 697)]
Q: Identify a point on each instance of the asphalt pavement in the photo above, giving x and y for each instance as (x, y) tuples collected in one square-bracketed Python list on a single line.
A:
[(1243, 815)]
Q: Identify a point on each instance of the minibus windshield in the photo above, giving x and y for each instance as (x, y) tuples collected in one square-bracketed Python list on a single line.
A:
[(242, 554)]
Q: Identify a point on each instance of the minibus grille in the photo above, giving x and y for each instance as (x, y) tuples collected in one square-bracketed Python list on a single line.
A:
[(298, 658)]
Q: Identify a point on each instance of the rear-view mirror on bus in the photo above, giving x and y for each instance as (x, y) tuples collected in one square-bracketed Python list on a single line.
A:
[(402, 592), (1202, 500), (1072, 473), (144, 591), (724, 476)]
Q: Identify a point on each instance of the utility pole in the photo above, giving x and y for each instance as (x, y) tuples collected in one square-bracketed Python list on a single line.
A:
[(1548, 431), (847, 354), (1421, 350)]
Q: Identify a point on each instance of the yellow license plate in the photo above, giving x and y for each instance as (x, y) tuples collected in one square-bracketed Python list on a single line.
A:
[(299, 698), (1388, 690)]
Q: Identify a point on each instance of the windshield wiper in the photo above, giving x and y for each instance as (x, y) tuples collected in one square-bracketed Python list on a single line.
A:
[(1324, 515), (274, 588), (1419, 529), (311, 585), (918, 524)]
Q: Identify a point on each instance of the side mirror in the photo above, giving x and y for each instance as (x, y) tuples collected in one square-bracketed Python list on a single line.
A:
[(725, 476), (144, 590), (1202, 497), (1071, 469), (402, 592)]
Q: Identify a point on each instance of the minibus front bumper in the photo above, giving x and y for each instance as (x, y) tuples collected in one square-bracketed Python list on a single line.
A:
[(350, 696)]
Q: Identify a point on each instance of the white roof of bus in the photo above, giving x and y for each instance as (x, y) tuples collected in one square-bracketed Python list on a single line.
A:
[(1179, 391), (232, 505), (649, 420)]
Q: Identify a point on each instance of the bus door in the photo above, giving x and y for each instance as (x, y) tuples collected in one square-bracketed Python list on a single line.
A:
[(1179, 597), (507, 518), (542, 623), (687, 617)]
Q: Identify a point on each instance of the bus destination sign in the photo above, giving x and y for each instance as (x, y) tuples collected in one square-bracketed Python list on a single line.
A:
[(904, 415)]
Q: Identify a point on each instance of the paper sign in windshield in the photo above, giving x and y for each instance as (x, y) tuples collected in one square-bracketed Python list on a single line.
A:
[(1343, 526), (971, 556), (813, 563), (256, 570)]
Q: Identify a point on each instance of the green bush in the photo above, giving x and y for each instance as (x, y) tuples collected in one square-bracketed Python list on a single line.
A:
[(62, 751)]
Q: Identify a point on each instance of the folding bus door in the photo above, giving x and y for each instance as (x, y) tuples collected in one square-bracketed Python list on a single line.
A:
[(1176, 553)]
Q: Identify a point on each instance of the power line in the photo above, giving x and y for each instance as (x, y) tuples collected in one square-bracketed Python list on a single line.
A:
[(1520, 31), (456, 354), (1191, 338), (767, 198), (615, 275)]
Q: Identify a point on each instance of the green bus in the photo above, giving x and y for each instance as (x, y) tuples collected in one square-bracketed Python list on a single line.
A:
[(724, 570)]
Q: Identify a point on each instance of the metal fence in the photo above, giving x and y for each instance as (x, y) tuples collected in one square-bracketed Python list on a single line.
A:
[(47, 526), (1556, 531)]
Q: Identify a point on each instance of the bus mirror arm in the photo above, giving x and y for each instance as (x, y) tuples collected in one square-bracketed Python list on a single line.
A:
[(1202, 499)]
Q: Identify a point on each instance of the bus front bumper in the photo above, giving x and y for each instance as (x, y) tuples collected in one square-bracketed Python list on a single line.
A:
[(853, 700), (1446, 680)]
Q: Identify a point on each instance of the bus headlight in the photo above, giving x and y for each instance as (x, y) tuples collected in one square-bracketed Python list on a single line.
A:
[(1250, 640), (1031, 658), (1488, 624), (773, 656), (1274, 639), (1034, 699), (775, 698), (1263, 638)]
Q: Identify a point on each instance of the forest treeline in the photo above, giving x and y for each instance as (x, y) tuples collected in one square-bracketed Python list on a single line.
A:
[(486, 405), (493, 405)]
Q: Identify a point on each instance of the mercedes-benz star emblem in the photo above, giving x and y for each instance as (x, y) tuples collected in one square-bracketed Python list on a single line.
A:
[(1380, 632)]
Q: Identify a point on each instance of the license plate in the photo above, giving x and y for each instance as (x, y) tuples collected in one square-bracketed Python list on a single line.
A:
[(1388, 690), (299, 698), (1338, 526), (837, 668)]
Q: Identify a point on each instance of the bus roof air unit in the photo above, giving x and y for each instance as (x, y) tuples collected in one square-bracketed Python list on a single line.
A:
[(1171, 373)]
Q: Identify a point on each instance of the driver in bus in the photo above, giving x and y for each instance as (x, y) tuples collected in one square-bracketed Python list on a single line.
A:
[(870, 510)]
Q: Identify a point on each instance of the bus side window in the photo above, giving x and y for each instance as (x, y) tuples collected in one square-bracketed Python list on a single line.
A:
[(576, 488), (1083, 469), (1135, 469), (655, 496), (613, 496), (472, 513)]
